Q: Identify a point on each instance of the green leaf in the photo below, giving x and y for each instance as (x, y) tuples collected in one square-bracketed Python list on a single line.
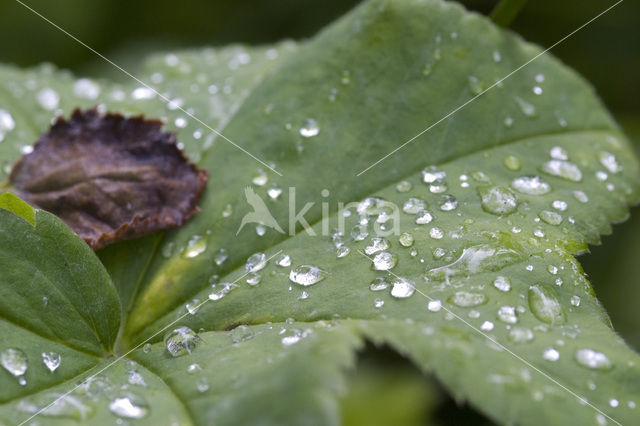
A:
[(496, 305), (18, 207)]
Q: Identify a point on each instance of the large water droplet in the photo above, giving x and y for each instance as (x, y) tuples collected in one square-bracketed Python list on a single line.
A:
[(51, 360), (544, 303), (181, 341), (307, 275), (196, 246), (475, 259), (129, 407), (402, 288), (593, 359), (531, 185), (563, 169), (502, 283), (498, 200)]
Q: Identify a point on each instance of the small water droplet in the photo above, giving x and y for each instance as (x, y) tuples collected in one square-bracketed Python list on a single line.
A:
[(284, 260), (342, 251), (550, 217), (15, 362), (48, 99), (593, 359), (512, 162), (384, 261), (414, 205), (544, 304), (558, 153), (129, 407), (436, 233), (465, 299), (85, 88), (377, 244), (51, 360), (432, 174), (502, 283), (581, 196), (551, 354), (609, 161), (559, 205), (307, 275), (486, 326), (181, 341), (402, 288), (527, 108), (310, 128), (146, 348), (406, 239), (378, 284), (168, 249), (220, 290), (434, 305), (221, 256), (448, 203), (521, 335), (507, 314), (378, 303), (531, 185), (196, 246), (227, 211), (202, 385), (256, 262), (563, 169), (260, 178), (575, 300), (475, 85), (423, 217), (136, 379), (498, 200)]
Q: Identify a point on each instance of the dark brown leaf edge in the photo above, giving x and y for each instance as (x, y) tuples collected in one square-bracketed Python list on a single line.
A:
[(110, 178)]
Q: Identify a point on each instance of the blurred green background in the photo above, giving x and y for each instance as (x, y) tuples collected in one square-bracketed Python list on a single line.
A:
[(606, 52)]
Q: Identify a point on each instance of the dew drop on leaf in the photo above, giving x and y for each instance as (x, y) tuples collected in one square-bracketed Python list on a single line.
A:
[(592, 359), (544, 304), (129, 407), (531, 185), (307, 275), (51, 360), (181, 341), (15, 362), (402, 288)]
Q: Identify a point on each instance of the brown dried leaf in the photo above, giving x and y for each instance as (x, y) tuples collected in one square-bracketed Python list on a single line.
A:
[(110, 178)]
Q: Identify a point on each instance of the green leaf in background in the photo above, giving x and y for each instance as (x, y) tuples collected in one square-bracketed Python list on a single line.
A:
[(479, 285)]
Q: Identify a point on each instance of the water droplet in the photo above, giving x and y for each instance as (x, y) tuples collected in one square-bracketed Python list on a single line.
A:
[(527, 108), (502, 283), (260, 178), (486, 326), (563, 169), (507, 314), (196, 246), (48, 99), (434, 305), (310, 128), (85, 88), (609, 161), (414, 205), (6, 123), (575, 300), (592, 359), (475, 85), (15, 362), (377, 244), (581, 196), (284, 260), (558, 153), (475, 259), (227, 211), (359, 232), (274, 192), (181, 341), (512, 162), (384, 261), (307, 275), (404, 186), (544, 303), (521, 335), (552, 218), (146, 348), (342, 251), (406, 239), (167, 249), (559, 205), (256, 262), (378, 303), (531, 185), (378, 284), (508, 121), (136, 379), (220, 290), (551, 354), (202, 385), (449, 203), (221, 256), (141, 93), (193, 306), (614, 402), (436, 233), (346, 77), (51, 360), (423, 217), (432, 174), (195, 368), (129, 407), (498, 200), (537, 90), (465, 299), (497, 57), (402, 288)]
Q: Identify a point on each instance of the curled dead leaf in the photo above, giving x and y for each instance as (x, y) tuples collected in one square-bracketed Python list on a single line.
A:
[(110, 178)]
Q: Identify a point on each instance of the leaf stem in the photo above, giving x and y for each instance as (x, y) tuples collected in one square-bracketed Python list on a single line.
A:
[(506, 11)]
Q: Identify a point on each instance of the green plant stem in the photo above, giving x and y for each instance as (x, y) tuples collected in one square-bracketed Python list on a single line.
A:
[(506, 11)]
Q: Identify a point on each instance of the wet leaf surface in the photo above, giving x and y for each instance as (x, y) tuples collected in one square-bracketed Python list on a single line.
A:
[(110, 178)]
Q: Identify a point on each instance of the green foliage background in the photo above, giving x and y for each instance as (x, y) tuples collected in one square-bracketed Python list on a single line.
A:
[(605, 53)]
